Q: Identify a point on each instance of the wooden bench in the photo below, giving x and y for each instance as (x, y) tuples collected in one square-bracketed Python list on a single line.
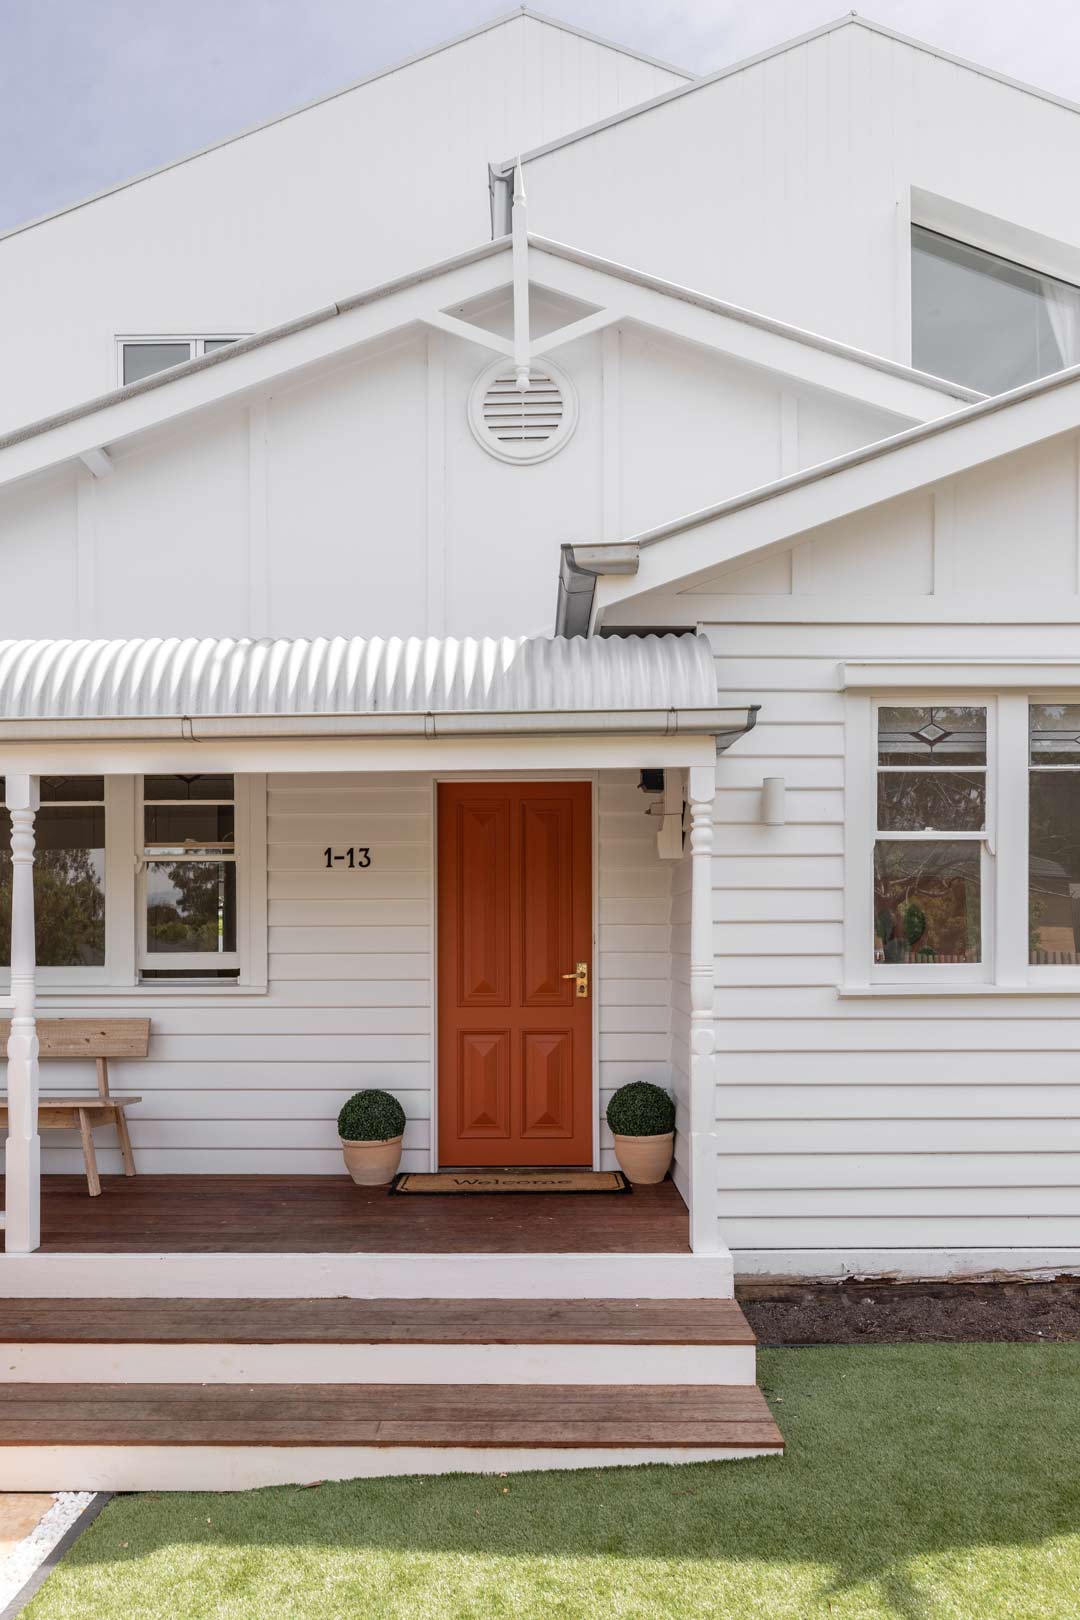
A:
[(100, 1039)]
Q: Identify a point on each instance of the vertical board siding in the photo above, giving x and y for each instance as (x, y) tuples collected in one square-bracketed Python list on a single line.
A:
[(252, 1083), (856, 1124)]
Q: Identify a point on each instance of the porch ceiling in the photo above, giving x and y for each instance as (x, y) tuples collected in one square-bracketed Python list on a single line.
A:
[(191, 689)]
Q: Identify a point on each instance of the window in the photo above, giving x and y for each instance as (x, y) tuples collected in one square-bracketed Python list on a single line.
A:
[(931, 830), (153, 879), (1054, 834), (142, 357), (188, 889), (985, 321), (69, 874)]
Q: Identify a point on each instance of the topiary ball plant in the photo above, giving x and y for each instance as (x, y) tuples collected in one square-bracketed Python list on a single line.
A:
[(641, 1109), (371, 1116)]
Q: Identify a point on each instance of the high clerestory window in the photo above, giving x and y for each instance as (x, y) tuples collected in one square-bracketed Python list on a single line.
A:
[(139, 357), (985, 321)]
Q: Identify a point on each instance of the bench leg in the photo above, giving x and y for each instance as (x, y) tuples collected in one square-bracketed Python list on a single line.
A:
[(125, 1143), (93, 1181)]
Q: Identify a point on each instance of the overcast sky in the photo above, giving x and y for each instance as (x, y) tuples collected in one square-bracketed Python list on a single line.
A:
[(93, 91)]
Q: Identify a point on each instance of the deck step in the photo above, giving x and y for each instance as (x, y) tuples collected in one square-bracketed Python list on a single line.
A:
[(129, 1436), (352, 1341)]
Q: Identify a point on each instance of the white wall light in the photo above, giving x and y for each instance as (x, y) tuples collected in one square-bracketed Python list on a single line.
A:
[(773, 801)]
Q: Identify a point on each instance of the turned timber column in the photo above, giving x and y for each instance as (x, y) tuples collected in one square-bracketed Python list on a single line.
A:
[(22, 1223), (704, 1237)]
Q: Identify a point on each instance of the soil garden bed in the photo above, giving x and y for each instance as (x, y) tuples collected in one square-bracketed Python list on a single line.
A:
[(884, 1312)]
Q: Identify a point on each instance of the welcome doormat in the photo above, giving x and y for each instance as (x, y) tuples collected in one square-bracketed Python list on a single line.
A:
[(511, 1181)]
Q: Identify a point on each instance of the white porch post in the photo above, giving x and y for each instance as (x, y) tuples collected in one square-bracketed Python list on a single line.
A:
[(22, 1221), (704, 1237)]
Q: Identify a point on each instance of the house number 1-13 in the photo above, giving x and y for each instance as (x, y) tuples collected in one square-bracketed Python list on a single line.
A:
[(352, 858)]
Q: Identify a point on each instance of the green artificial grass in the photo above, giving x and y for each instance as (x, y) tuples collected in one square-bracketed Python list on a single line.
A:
[(921, 1481)]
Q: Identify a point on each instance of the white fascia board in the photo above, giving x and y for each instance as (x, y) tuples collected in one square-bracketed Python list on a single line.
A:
[(126, 756), (788, 351), (849, 20), (348, 90), (692, 548), (249, 365), (426, 295)]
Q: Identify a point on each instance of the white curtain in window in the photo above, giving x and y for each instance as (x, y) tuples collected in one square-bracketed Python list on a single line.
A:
[(1063, 308)]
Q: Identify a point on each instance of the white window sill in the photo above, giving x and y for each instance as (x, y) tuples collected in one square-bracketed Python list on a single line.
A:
[(890, 992), (121, 992)]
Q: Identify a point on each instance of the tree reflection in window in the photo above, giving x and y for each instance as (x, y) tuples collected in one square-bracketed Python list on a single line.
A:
[(69, 874)]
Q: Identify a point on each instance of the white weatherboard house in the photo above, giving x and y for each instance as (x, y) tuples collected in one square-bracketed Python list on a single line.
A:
[(536, 572)]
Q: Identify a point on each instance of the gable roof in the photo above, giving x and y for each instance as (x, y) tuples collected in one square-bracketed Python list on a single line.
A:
[(851, 19), (422, 295), (345, 90), (690, 548)]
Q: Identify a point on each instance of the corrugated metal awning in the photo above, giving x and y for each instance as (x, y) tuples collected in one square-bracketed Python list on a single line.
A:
[(415, 686)]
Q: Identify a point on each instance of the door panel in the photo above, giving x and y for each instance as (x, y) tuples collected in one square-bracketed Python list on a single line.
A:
[(515, 918)]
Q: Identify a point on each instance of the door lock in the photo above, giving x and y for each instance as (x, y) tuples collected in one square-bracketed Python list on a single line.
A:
[(580, 977)]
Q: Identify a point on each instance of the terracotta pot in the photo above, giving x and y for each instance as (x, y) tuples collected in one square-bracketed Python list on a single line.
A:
[(645, 1159), (372, 1164)]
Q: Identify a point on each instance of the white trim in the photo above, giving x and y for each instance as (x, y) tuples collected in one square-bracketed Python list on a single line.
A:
[(959, 675), (138, 1362), (367, 1276), (412, 300), (244, 1468)]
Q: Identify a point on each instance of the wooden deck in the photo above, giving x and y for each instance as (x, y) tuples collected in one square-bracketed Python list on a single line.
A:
[(697, 1322), (429, 1415), (328, 1215)]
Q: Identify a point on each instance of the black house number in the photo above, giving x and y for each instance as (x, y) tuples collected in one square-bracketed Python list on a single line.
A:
[(354, 859)]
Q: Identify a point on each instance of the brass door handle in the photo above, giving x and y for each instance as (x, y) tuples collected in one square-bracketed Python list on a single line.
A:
[(580, 976)]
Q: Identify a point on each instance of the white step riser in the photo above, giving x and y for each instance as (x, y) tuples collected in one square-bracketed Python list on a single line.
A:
[(376, 1364), (367, 1276), (241, 1468)]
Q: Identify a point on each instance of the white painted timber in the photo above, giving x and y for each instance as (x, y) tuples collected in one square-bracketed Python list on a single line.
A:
[(367, 1276), (378, 1364), (240, 1468)]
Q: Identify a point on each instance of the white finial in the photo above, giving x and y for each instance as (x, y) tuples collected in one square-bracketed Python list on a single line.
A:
[(520, 234)]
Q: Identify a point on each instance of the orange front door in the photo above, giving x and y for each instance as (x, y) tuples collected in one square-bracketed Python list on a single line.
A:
[(515, 918)]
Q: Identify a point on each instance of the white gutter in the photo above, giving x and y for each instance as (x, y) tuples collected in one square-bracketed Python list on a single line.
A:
[(721, 723)]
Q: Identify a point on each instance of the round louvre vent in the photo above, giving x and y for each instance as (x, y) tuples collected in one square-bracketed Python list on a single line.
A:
[(518, 425)]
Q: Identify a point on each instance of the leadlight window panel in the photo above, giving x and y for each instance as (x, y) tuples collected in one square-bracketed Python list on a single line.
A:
[(931, 820), (69, 874), (1054, 835)]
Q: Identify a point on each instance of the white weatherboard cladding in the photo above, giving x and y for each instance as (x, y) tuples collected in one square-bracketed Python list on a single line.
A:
[(253, 1083), (808, 213), (852, 1127), (149, 678), (290, 209)]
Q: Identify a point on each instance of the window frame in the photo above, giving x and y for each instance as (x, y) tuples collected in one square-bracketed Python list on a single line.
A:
[(124, 921), (1005, 901), (980, 972), (196, 342), (147, 961)]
